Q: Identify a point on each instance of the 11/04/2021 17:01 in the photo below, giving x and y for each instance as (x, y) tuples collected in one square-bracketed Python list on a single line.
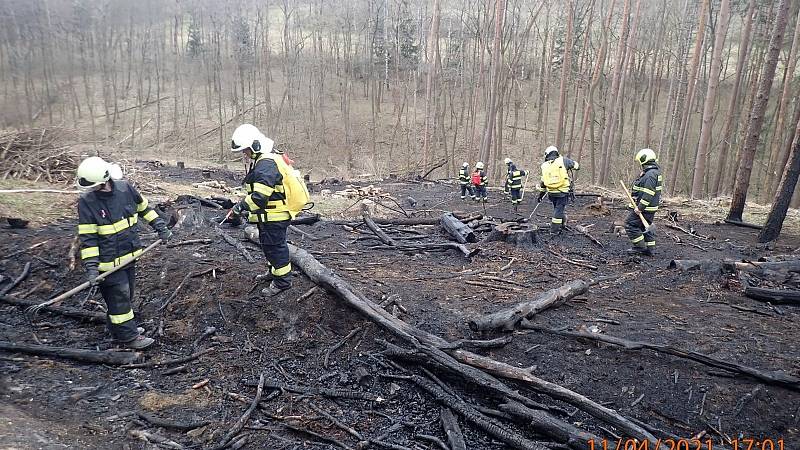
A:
[(685, 444)]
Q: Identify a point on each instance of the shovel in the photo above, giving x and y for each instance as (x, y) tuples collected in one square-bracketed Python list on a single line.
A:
[(33, 310), (648, 227)]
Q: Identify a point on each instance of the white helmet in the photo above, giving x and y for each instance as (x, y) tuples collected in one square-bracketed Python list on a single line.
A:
[(508, 161), (92, 172), (115, 171), (549, 150), (479, 165), (645, 155), (247, 136), (466, 164)]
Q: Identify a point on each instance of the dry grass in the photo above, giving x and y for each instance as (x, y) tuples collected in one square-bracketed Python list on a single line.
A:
[(39, 208)]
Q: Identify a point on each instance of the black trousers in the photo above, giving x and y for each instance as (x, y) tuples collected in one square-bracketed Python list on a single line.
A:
[(634, 228), (117, 291), (467, 189), (272, 236), (481, 193), (516, 195), (560, 202)]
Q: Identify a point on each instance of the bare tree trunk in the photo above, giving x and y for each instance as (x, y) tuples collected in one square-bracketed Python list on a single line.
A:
[(779, 154), (432, 55), (494, 83), (733, 110), (704, 146), (692, 79), (780, 205), (611, 108), (566, 71), (745, 165)]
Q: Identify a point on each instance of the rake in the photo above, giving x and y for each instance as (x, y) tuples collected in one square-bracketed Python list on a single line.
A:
[(34, 310)]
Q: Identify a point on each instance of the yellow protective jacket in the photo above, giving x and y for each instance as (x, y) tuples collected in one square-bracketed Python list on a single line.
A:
[(265, 200)]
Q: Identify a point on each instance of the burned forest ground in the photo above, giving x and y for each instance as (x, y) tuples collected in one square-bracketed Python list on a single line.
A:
[(323, 362)]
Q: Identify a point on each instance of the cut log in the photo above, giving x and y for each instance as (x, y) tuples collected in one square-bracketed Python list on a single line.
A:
[(91, 356), (776, 296), (770, 377), (514, 233), (77, 313), (457, 229), (427, 342), (508, 318), (547, 425)]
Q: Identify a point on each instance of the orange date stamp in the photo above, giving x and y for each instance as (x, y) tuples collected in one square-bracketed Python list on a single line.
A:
[(683, 444)]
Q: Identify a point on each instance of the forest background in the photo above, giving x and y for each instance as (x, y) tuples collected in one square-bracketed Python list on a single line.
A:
[(398, 87)]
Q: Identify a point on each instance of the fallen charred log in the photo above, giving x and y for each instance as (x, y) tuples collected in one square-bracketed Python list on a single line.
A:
[(739, 223), (165, 423), (776, 296), (721, 266), (490, 426), (507, 319), (547, 425), (770, 377), (375, 228), (113, 358)]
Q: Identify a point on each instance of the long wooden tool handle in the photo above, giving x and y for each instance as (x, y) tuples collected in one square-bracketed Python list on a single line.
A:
[(102, 276), (639, 213)]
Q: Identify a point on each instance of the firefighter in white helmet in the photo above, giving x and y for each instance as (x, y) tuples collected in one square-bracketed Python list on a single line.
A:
[(556, 184), (464, 181), (265, 204), (108, 211), (514, 182)]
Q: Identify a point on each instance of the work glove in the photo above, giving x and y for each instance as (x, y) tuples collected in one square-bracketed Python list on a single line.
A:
[(91, 275), (164, 234), (239, 210), (541, 197)]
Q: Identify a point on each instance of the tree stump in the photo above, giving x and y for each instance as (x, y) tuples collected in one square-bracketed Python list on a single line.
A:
[(517, 234)]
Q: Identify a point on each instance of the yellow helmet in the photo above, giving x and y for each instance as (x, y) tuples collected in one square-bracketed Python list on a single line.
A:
[(92, 172), (479, 165)]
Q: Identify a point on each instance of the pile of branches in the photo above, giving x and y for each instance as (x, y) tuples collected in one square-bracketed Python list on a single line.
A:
[(35, 155)]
